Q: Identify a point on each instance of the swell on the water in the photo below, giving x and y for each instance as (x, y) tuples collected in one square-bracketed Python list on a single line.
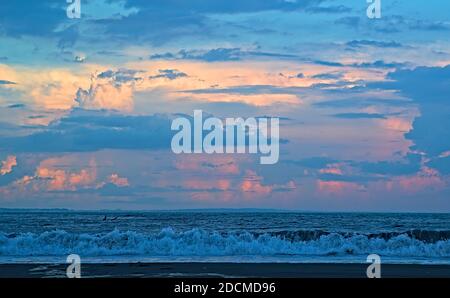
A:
[(197, 242), (427, 236)]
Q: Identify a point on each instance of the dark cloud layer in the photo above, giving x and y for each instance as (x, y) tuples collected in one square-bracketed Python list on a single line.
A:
[(170, 74), (83, 130), (219, 54), (41, 17), (359, 116), (222, 6), (373, 43), (429, 87)]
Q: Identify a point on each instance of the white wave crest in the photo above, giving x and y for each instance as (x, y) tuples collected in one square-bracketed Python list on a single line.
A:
[(197, 242)]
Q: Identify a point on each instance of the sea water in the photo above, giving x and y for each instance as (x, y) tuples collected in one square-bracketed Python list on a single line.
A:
[(222, 236)]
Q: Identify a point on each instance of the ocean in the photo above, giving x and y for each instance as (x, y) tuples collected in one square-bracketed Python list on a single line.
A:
[(28, 236)]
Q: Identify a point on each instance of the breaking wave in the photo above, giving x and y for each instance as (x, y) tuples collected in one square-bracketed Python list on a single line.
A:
[(198, 242)]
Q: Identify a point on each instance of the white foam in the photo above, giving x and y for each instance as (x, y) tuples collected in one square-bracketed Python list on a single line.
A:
[(197, 243)]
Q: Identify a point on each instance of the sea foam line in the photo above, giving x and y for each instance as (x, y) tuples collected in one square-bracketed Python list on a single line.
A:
[(198, 242)]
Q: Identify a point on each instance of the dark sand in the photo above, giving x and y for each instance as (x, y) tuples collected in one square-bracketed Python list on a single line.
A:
[(272, 270)]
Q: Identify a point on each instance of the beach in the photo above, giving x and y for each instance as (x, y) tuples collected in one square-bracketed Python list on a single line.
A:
[(223, 270)]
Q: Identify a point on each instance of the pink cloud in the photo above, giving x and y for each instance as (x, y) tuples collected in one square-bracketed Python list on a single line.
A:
[(217, 164), (118, 181), (202, 184), (427, 178), (8, 165), (397, 124), (106, 95), (337, 187), (332, 169), (252, 186), (54, 178)]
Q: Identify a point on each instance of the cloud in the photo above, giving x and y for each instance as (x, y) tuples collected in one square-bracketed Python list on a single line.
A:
[(6, 82), (357, 178), (378, 64), (373, 43), (170, 74), (109, 90), (328, 76), (84, 130), (68, 37), (370, 64), (258, 95), (361, 172), (312, 162), (121, 76), (219, 54), (41, 20), (352, 22), (248, 90), (430, 132), (16, 106), (362, 103), (105, 96), (48, 18), (359, 116), (329, 9), (429, 87), (219, 165), (114, 190), (118, 181), (338, 188), (45, 86), (252, 183), (68, 174), (422, 84), (442, 164), (198, 184), (427, 180), (23, 166), (56, 179), (393, 24), (429, 25), (79, 58), (223, 6), (8, 165), (411, 165)]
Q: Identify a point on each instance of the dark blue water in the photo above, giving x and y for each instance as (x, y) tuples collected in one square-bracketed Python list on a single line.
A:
[(30, 236)]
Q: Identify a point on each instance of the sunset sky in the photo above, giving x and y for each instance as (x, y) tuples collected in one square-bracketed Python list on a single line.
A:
[(86, 104)]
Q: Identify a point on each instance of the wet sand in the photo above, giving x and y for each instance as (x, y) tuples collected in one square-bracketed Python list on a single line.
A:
[(231, 270)]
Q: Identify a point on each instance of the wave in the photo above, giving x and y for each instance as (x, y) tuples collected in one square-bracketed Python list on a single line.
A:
[(428, 236), (198, 242)]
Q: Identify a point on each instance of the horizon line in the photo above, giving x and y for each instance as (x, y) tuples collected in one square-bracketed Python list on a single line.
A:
[(212, 210)]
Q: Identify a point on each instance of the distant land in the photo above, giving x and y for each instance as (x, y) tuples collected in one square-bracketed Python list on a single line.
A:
[(211, 210)]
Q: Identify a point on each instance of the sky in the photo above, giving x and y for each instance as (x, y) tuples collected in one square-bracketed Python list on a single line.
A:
[(86, 104)]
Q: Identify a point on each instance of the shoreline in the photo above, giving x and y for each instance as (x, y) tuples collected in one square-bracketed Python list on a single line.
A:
[(224, 270)]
